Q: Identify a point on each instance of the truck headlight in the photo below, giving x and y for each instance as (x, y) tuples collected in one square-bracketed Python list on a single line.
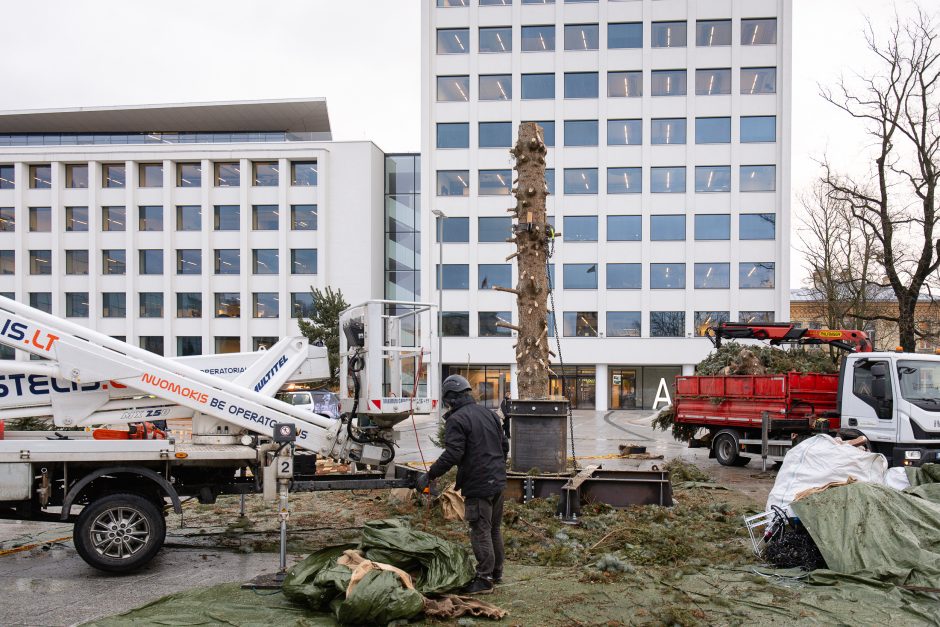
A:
[(911, 454)]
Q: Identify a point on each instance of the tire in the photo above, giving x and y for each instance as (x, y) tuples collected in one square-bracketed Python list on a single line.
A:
[(725, 446), (119, 533)]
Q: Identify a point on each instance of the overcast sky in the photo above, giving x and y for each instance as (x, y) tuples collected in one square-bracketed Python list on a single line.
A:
[(363, 56)]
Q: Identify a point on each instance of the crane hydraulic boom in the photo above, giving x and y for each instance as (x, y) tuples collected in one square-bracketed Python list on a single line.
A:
[(778, 333)]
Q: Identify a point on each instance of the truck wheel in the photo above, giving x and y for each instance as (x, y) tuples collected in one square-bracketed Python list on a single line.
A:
[(119, 533), (725, 446)]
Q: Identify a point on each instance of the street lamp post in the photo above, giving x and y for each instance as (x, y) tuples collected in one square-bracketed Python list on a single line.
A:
[(441, 216)]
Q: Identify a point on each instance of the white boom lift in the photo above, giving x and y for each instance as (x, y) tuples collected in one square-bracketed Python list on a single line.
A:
[(243, 438)]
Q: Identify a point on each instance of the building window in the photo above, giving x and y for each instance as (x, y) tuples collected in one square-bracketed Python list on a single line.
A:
[(624, 181), (227, 261), (496, 39), (189, 175), (40, 176), (712, 130), (228, 305), (150, 174), (550, 180), (303, 217), (188, 217), (758, 178), (624, 228), (113, 219), (303, 261), (494, 229), (189, 305), (624, 276), (187, 345), (453, 88), (453, 183), (453, 276), (668, 131), (713, 82), (264, 217), (624, 132), (228, 174), (667, 276), (756, 275), (712, 276), (227, 344), (453, 135), (8, 261), (303, 173), (538, 86), (40, 262), (752, 317), (76, 262), (753, 226), (453, 230), (626, 35), (227, 217), (705, 320), (453, 41), (580, 180), (76, 175), (113, 175), (40, 219), (667, 324), (580, 132), (455, 324), (495, 134), (580, 84), (758, 129), (263, 342), (548, 132), (713, 33), (150, 218), (189, 261), (302, 305), (7, 219), (150, 261), (667, 180), (581, 36), (495, 182), (113, 305), (758, 80), (114, 261), (579, 276), (623, 324), (669, 34), (538, 38), (265, 173), (759, 32), (667, 228), (712, 178), (76, 304), (7, 177), (453, 3), (492, 275), (625, 84), (264, 261), (668, 82), (488, 323), (580, 229), (152, 343), (265, 304), (579, 323), (76, 218), (151, 304), (495, 3), (712, 227), (495, 87)]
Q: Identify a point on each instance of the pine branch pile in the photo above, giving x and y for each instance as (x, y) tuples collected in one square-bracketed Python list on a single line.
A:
[(734, 358)]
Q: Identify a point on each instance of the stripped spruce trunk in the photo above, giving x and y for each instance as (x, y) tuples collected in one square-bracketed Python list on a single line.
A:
[(529, 235)]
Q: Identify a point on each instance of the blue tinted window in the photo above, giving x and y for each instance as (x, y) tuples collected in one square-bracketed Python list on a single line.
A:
[(496, 87), (580, 229), (580, 180), (667, 276), (550, 180), (581, 85), (494, 274), (538, 38), (712, 276), (629, 35), (757, 226), (495, 182), (453, 135), (453, 183), (667, 324), (624, 228), (756, 275), (623, 324), (581, 36), (580, 276), (758, 178), (624, 276), (494, 229), (496, 39), (580, 132), (453, 40), (667, 180), (667, 131), (667, 228), (624, 132), (488, 323), (453, 229), (495, 134), (538, 86), (758, 128), (456, 276), (712, 130), (226, 217), (624, 180), (548, 129), (713, 178), (713, 227)]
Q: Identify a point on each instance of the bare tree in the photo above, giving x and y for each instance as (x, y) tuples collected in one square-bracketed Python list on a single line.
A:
[(897, 199)]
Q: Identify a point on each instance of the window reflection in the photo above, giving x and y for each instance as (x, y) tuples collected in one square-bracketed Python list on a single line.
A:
[(624, 132), (453, 183), (758, 178), (756, 275), (707, 319), (624, 228), (489, 323), (668, 82), (624, 276), (667, 180), (76, 176), (667, 228), (264, 261), (150, 174), (758, 32), (189, 305), (303, 261), (713, 33), (76, 262), (265, 173), (624, 180), (188, 218), (756, 226), (669, 34), (40, 219), (625, 84), (712, 130), (538, 38), (623, 324), (667, 276), (495, 182), (538, 86), (188, 175), (580, 180), (303, 217), (40, 176), (496, 39), (713, 82), (453, 88), (581, 36), (667, 324), (265, 304), (758, 80), (579, 323), (302, 305), (227, 261), (303, 173), (76, 218), (668, 131), (713, 178), (496, 87), (113, 219), (227, 174), (712, 276), (453, 40), (113, 175)]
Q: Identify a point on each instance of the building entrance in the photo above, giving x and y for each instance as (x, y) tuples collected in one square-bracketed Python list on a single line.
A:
[(623, 388), (580, 385)]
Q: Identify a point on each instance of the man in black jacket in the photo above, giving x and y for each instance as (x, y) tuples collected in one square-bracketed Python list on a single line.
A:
[(474, 441)]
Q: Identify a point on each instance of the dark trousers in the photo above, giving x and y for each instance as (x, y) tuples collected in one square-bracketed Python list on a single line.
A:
[(485, 515)]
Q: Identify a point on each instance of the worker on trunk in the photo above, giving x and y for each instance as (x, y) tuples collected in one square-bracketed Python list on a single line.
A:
[(474, 441)]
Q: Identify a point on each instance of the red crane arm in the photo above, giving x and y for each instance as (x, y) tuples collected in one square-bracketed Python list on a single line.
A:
[(778, 333)]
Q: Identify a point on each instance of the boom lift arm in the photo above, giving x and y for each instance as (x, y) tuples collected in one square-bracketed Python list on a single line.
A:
[(778, 333)]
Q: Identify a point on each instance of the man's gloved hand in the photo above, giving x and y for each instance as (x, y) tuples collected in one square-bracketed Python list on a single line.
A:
[(422, 482)]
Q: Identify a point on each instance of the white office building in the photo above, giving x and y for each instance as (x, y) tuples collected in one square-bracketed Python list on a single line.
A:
[(668, 123), (190, 229)]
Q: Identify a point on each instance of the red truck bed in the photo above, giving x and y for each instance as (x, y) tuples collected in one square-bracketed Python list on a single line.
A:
[(739, 400)]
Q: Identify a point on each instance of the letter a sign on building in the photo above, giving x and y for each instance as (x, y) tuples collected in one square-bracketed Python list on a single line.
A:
[(662, 395)]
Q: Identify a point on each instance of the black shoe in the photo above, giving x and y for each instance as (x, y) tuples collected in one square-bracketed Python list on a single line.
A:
[(479, 585), (497, 578)]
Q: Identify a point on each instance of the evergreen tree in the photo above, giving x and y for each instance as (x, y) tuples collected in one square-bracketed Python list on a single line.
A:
[(323, 327)]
